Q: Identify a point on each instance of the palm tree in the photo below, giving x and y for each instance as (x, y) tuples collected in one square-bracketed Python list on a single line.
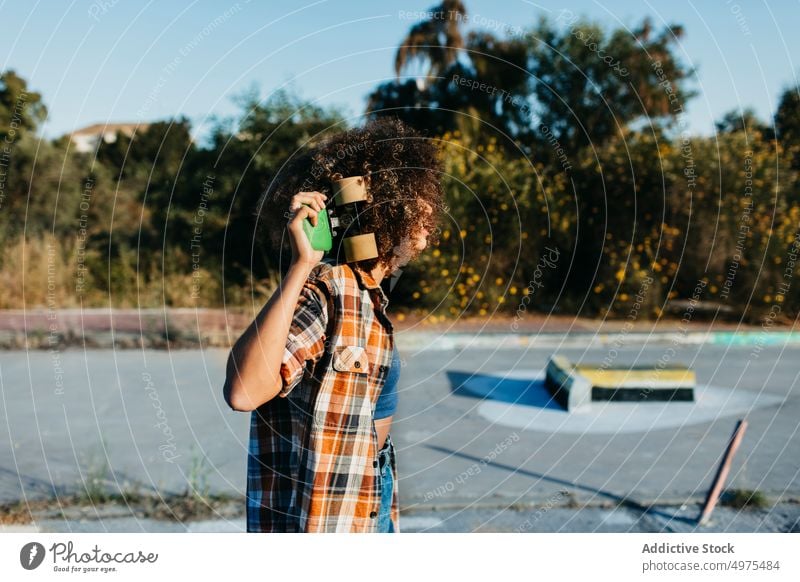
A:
[(436, 41)]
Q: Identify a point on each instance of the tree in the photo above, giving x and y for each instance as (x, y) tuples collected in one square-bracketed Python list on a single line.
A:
[(787, 123), (425, 102), (436, 41), (589, 84), (437, 102), (502, 65), (20, 110), (745, 120)]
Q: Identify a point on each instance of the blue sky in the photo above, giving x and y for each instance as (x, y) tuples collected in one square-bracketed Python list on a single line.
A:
[(125, 60)]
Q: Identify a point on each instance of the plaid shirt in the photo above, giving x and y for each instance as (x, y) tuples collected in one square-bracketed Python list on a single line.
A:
[(313, 453)]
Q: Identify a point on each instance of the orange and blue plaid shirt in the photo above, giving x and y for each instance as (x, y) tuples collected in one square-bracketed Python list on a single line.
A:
[(313, 451)]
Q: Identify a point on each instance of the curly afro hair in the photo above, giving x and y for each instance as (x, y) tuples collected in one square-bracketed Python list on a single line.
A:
[(402, 169)]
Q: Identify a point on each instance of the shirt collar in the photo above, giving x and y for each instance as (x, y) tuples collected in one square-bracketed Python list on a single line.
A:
[(366, 281)]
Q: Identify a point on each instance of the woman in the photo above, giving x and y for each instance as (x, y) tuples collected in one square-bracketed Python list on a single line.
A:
[(317, 367)]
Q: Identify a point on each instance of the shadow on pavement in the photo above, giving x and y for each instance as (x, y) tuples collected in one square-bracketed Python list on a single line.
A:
[(626, 502), (512, 390)]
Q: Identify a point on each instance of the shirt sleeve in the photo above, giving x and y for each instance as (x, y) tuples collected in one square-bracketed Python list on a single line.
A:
[(306, 340)]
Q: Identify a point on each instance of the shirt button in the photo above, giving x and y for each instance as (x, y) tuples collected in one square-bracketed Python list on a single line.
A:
[(373, 514), (374, 463), (357, 364)]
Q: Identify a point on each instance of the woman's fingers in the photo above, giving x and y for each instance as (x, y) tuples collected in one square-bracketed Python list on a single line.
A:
[(315, 199), (301, 245), (305, 205), (301, 213), (320, 200)]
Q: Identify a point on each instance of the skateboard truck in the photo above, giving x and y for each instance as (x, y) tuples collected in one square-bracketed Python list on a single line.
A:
[(342, 222)]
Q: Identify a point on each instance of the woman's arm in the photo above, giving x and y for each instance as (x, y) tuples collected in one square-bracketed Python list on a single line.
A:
[(253, 370)]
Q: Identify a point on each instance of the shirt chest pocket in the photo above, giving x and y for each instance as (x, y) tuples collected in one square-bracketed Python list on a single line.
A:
[(342, 405), (350, 359)]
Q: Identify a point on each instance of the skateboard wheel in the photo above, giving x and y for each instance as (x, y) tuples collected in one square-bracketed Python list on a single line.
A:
[(349, 190), (360, 247)]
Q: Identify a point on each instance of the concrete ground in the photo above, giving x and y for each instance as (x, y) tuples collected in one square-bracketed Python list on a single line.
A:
[(479, 446), (783, 517)]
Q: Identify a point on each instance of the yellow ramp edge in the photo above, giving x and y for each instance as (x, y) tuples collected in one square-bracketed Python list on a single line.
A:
[(620, 378)]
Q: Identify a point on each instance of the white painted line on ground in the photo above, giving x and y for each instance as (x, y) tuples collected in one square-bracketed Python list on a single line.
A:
[(217, 526), (711, 402)]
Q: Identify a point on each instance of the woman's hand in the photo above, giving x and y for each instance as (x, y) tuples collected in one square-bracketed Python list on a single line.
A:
[(303, 254)]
